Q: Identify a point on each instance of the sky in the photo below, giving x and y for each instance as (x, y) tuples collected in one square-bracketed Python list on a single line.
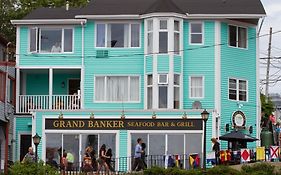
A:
[(272, 19)]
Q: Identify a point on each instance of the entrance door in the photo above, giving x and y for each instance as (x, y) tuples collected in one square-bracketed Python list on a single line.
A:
[(73, 86), (25, 143)]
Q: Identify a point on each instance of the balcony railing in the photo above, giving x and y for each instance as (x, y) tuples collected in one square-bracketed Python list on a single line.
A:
[(29, 103)]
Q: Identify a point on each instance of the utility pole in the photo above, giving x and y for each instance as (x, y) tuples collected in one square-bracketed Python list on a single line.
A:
[(268, 64)]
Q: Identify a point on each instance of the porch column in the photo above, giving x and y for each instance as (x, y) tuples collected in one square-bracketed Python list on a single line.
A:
[(50, 87), (17, 89)]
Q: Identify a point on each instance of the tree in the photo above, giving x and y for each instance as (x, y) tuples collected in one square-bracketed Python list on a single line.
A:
[(267, 108), (17, 9)]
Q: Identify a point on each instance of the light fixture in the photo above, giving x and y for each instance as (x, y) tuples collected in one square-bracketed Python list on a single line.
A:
[(184, 116), (205, 115), (36, 141), (153, 115), (92, 116), (61, 115), (123, 115), (62, 84)]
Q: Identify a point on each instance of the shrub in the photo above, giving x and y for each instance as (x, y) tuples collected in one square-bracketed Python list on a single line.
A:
[(154, 171), (258, 169), (32, 169), (223, 170)]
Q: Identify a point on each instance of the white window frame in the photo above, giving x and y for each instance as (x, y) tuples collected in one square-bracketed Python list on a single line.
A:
[(38, 40), (237, 35), (105, 86), (178, 32), (149, 86), (107, 23), (203, 86), (163, 30), (163, 83), (202, 33), (147, 33), (177, 86), (237, 89)]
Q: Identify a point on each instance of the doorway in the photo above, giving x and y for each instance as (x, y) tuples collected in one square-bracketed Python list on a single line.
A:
[(73, 86), (25, 143)]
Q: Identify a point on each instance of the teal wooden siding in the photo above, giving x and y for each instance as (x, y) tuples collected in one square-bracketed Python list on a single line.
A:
[(149, 64), (121, 61), (177, 64), (70, 59), (38, 84), (163, 63), (123, 144), (241, 64), (23, 126), (199, 61)]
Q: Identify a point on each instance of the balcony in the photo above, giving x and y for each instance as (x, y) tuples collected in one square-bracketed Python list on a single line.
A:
[(28, 103), (43, 89)]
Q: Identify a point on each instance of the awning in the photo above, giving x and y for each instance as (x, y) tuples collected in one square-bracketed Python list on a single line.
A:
[(237, 136)]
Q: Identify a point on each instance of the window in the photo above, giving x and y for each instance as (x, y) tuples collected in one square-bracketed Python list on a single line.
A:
[(149, 91), (50, 40), (11, 91), (163, 90), (237, 36), (118, 35), (196, 33), (163, 37), (196, 87), (117, 88), (176, 37), (2, 86), (176, 91), (237, 89), (149, 36)]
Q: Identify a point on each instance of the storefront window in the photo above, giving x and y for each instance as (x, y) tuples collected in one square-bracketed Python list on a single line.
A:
[(89, 140), (109, 139), (156, 144), (71, 147), (178, 148), (193, 144), (53, 147)]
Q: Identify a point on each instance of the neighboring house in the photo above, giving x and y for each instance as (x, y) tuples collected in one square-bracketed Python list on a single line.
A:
[(276, 99), (7, 100), (117, 70)]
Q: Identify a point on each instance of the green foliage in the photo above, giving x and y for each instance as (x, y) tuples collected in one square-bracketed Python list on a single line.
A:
[(17, 9), (171, 171), (258, 169), (32, 169), (223, 170), (267, 108)]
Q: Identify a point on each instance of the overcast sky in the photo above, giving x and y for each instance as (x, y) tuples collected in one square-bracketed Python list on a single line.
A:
[(273, 19)]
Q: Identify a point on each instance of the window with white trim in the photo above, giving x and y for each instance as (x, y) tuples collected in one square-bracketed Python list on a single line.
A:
[(176, 91), (237, 89), (196, 87), (176, 37), (196, 33), (149, 91), (51, 40), (163, 36), (149, 36), (117, 88), (118, 35), (237, 36)]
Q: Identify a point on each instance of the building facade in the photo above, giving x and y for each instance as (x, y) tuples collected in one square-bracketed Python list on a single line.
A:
[(114, 71), (7, 100)]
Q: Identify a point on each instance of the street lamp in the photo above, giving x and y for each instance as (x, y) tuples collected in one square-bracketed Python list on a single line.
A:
[(36, 141), (205, 116)]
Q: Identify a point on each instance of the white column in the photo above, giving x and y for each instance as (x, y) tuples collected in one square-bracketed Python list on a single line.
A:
[(258, 103), (171, 63), (83, 68), (50, 87), (17, 88), (155, 57)]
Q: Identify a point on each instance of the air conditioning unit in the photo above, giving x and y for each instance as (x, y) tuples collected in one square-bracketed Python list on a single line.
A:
[(163, 79), (102, 54)]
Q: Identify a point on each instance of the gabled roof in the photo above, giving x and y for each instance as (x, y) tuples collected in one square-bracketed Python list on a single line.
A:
[(140, 7)]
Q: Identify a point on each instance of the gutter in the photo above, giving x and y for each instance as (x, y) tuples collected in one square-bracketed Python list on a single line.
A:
[(48, 21)]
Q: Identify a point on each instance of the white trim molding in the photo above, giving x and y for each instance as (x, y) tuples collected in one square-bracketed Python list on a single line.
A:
[(132, 16), (48, 21), (219, 16)]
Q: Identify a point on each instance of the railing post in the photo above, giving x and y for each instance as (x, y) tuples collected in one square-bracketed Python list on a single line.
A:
[(50, 87)]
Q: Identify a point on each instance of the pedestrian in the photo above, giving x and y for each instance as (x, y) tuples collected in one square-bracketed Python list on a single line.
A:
[(101, 160), (216, 149), (63, 163), (138, 163), (143, 155), (70, 161), (87, 161), (108, 160), (52, 162), (29, 157), (94, 160)]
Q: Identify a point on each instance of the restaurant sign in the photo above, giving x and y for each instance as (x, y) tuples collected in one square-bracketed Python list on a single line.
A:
[(125, 124)]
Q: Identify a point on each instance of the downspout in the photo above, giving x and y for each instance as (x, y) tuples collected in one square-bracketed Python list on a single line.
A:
[(83, 65), (6, 110)]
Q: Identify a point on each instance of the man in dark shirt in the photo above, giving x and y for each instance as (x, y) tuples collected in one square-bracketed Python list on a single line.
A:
[(216, 149)]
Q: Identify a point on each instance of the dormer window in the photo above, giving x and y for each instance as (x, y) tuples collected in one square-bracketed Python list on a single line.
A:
[(118, 35), (51, 40)]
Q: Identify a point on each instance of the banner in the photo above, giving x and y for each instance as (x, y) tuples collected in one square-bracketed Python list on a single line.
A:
[(245, 155), (260, 153), (274, 152)]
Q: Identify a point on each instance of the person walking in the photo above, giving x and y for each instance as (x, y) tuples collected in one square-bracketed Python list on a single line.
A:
[(87, 161), (63, 163), (216, 149), (101, 160), (143, 155), (29, 157), (108, 160), (138, 163)]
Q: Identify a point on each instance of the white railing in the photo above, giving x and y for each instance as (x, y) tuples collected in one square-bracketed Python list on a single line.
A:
[(28, 103)]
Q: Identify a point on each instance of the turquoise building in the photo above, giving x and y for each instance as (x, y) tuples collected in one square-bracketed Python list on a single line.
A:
[(117, 70)]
